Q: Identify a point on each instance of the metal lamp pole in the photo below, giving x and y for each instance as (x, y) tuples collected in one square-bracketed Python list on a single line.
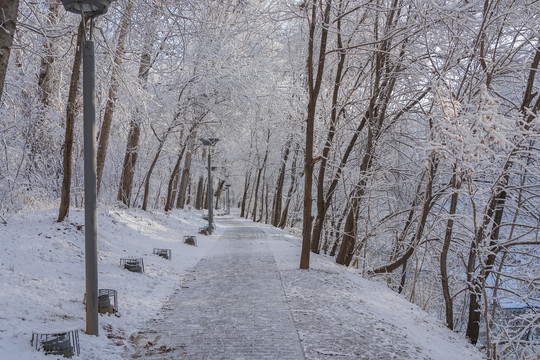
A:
[(90, 188), (210, 195), (91, 9), (211, 142), (227, 200)]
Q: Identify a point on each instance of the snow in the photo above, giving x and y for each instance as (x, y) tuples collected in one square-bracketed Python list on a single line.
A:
[(42, 274), (342, 315), (336, 312)]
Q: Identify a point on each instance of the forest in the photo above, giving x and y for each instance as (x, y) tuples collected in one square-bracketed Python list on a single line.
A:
[(400, 137)]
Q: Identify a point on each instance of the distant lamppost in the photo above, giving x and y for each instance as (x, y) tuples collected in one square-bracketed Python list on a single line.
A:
[(91, 9), (227, 199), (210, 142)]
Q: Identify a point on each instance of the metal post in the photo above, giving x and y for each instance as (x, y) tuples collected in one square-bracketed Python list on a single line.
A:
[(90, 194), (228, 205), (210, 193)]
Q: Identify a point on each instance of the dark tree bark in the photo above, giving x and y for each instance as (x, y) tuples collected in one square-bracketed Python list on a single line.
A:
[(200, 194), (321, 204), (385, 77), (161, 140), (277, 203), (219, 191), (448, 303), (113, 89), (184, 181), (292, 189), (258, 182), (205, 195), (132, 147), (247, 181), (314, 85), (153, 165), (349, 232), (8, 24), (494, 212), (256, 194), (173, 180), (71, 113), (44, 79)]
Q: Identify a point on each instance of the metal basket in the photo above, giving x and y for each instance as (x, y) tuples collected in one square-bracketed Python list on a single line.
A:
[(59, 343), (190, 240), (107, 301), (133, 264), (164, 253)]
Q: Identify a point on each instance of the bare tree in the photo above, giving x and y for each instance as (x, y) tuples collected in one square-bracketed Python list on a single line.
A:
[(8, 24), (113, 89), (315, 69), (71, 113)]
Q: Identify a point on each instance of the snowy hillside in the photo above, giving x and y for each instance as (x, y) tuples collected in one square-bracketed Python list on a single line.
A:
[(335, 312)]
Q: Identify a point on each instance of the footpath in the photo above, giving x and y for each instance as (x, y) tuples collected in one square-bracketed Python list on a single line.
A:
[(250, 301), (229, 306)]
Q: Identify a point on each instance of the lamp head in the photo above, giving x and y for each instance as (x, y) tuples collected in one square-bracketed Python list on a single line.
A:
[(209, 142), (87, 7)]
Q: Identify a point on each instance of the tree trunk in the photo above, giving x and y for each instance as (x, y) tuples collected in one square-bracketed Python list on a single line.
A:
[(348, 242), (8, 24), (244, 196), (250, 199), (151, 169), (266, 202), (292, 189), (149, 175), (200, 194), (205, 195), (257, 184), (44, 79), (314, 86), (71, 113), (189, 197), (493, 213), (218, 193), (113, 89), (277, 203), (256, 194), (184, 181), (321, 206), (495, 210), (132, 148), (448, 303), (173, 181), (349, 232)]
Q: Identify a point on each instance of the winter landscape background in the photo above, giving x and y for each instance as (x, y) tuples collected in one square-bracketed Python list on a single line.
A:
[(398, 141)]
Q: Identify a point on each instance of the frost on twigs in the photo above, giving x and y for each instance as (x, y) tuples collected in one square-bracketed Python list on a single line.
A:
[(467, 133)]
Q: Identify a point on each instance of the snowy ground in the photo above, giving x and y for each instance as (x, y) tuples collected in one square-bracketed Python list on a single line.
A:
[(42, 274), (336, 314)]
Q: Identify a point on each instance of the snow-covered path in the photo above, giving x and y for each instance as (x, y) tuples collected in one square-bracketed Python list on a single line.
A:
[(250, 301), (230, 306)]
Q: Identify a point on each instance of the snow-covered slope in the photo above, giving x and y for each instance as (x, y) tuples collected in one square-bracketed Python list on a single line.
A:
[(42, 274), (341, 315), (336, 312)]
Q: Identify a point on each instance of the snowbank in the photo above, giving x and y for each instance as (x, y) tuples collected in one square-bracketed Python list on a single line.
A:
[(42, 275)]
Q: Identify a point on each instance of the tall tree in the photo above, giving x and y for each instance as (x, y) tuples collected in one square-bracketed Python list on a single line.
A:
[(132, 147), (71, 114), (315, 70), (8, 24), (113, 89)]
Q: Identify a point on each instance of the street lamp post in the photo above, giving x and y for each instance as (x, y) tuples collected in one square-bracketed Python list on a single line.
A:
[(227, 200), (91, 9), (210, 142)]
